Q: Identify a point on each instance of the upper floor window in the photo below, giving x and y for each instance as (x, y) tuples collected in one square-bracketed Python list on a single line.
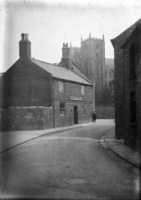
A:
[(82, 90), (132, 60), (61, 86), (133, 107)]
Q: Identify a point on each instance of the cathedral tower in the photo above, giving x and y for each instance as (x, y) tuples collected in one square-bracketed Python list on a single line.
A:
[(93, 63)]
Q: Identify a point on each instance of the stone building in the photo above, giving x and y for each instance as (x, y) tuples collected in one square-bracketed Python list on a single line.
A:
[(127, 49), (90, 59), (39, 95)]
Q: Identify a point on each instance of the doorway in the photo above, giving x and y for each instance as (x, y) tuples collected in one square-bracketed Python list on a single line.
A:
[(75, 115)]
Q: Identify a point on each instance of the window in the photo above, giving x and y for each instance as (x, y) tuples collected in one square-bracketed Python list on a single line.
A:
[(132, 60), (83, 110), (62, 108), (82, 90), (61, 86), (133, 107)]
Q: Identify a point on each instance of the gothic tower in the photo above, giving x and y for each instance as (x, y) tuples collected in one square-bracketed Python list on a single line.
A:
[(93, 63), (90, 58)]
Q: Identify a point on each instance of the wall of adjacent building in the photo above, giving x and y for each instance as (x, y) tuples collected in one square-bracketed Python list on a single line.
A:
[(132, 130), (119, 93)]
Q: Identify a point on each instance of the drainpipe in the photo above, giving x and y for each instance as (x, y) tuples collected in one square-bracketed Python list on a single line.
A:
[(93, 96), (53, 103)]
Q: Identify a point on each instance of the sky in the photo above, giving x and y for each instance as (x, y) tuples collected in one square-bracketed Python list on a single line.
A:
[(50, 23)]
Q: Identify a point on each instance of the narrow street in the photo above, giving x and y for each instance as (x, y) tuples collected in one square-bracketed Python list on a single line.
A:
[(70, 164)]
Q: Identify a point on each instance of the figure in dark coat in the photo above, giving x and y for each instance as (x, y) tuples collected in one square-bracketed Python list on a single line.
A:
[(94, 116)]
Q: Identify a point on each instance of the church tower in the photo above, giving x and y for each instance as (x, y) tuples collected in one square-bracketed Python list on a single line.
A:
[(93, 63), (90, 58)]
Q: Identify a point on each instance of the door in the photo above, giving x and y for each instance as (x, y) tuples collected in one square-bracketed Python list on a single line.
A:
[(75, 115)]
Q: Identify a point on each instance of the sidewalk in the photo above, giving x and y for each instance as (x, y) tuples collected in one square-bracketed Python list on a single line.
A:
[(11, 139), (118, 146)]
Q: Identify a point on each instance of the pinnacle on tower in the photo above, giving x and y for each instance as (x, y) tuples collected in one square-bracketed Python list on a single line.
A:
[(103, 36)]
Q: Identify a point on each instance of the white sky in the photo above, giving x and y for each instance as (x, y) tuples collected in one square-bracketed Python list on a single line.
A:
[(50, 23)]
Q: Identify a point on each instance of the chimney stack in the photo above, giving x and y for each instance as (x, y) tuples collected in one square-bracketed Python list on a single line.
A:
[(25, 47)]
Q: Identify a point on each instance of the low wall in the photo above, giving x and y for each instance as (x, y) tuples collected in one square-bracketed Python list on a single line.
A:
[(105, 112), (26, 118)]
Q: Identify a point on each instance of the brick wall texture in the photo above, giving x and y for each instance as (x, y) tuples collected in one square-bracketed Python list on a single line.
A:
[(125, 84), (26, 118), (72, 89), (25, 84), (133, 131)]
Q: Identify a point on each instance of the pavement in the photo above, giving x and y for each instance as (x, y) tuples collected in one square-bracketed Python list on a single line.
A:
[(118, 147), (107, 141)]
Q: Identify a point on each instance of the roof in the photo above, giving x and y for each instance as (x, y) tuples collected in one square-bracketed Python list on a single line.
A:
[(60, 72), (120, 39), (137, 28)]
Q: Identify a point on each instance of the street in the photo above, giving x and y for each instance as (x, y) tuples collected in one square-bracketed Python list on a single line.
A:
[(71, 164)]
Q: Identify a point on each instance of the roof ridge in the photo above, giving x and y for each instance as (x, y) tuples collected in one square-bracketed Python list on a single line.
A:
[(43, 61)]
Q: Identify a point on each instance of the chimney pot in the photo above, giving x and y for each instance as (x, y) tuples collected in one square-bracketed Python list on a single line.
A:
[(25, 47), (22, 36), (26, 36)]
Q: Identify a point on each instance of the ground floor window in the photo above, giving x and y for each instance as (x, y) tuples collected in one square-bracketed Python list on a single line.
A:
[(62, 108), (83, 110)]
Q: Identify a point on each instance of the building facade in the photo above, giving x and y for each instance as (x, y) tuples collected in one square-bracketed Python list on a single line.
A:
[(90, 59), (127, 48), (39, 95)]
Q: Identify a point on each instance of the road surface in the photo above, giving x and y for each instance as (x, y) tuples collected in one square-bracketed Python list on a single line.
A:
[(70, 164)]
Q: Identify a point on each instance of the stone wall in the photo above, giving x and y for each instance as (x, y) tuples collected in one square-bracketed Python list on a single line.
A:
[(26, 118), (105, 112)]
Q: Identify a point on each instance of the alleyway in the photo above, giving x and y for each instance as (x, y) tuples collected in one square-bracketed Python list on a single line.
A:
[(71, 164)]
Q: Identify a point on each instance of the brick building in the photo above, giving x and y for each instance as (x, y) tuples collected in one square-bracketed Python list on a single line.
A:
[(39, 95), (127, 49)]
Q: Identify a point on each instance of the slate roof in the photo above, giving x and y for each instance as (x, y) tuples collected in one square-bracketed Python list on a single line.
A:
[(120, 39), (60, 72)]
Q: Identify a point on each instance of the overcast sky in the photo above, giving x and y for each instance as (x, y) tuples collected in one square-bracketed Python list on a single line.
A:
[(50, 23)]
